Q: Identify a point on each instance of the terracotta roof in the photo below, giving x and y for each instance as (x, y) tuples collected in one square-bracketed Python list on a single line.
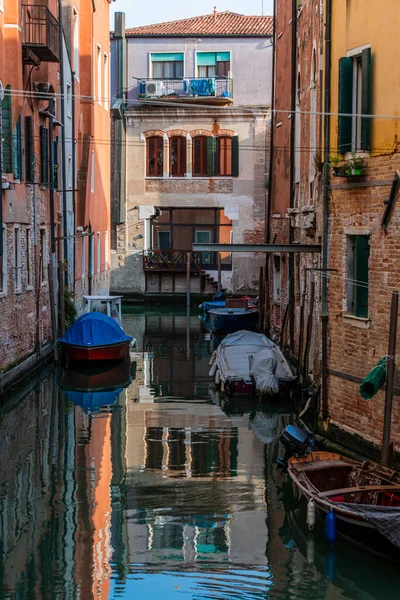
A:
[(217, 24)]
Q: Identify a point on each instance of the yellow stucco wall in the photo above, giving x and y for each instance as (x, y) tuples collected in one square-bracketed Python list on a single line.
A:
[(376, 22)]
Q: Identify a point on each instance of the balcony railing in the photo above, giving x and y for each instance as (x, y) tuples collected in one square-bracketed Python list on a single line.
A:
[(40, 34), (176, 260), (197, 88)]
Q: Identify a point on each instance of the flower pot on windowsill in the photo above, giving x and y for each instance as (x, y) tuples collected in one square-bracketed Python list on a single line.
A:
[(348, 172)]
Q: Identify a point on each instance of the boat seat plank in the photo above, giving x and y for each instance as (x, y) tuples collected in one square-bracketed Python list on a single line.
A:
[(322, 465), (361, 488)]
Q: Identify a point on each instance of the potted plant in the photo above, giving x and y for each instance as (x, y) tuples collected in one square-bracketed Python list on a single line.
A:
[(356, 165), (338, 164)]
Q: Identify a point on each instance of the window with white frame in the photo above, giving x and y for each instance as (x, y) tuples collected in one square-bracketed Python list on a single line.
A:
[(43, 254), (91, 255), (213, 64), (76, 41), (277, 278), (17, 259), (92, 174), (106, 251), (98, 251), (355, 99), (99, 70), (28, 258), (166, 65), (83, 267), (3, 264), (106, 82)]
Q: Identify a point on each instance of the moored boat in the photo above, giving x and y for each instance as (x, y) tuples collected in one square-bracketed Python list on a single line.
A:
[(95, 337), (246, 362), (364, 497), (229, 320)]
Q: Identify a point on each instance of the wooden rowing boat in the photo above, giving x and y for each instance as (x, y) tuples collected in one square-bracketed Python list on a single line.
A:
[(365, 497)]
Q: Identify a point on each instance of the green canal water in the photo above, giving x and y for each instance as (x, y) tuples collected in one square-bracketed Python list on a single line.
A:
[(159, 490)]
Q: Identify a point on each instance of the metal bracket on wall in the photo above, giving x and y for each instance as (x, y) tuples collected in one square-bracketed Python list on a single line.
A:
[(387, 215)]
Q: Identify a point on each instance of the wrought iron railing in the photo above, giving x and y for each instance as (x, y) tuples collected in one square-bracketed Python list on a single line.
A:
[(41, 32), (176, 260), (190, 87)]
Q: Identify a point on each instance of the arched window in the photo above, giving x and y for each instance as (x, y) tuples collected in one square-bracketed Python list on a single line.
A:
[(224, 155), (155, 156), (314, 67), (177, 152), (200, 156)]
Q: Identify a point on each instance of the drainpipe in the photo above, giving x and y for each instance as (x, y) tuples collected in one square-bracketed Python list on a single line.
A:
[(271, 163), (52, 208), (119, 122), (90, 260), (292, 167), (327, 127), (63, 141), (1, 173), (73, 175)]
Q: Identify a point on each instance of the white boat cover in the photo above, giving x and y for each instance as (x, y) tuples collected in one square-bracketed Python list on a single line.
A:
[(245, 354)]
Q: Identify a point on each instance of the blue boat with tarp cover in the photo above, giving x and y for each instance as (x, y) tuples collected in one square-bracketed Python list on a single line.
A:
[(95, 337)]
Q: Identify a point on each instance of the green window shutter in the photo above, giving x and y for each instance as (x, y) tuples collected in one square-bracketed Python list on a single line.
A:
[(211, 152), (44, 156), (223, 56), (206, 59), (167, 57), (345, 103), (235, 156), (29, 152), (366, 98), (361, 275), (7, 130), (17, 150)]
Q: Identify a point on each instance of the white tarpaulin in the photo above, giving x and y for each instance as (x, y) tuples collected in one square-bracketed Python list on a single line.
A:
[(245, 354)]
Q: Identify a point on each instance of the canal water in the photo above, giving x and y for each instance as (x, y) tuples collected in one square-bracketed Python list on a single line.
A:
[(160, 488)]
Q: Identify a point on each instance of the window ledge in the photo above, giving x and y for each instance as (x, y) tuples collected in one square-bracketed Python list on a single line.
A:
[(360, 322), (18, 291), (3, 294), (29, 288)]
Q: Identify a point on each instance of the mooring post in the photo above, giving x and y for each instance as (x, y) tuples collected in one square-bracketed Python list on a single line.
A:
[(219, 271), (391, 361), (188, 279)]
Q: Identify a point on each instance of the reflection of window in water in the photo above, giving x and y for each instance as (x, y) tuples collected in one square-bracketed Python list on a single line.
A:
[(154, 447), (211, 540), (176, 449), (215, 453), (167, 535)]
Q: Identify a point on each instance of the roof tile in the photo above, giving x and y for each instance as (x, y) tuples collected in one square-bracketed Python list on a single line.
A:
[(217, 24)]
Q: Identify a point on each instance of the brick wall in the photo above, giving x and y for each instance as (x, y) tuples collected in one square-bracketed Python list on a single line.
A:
[(356, 345)]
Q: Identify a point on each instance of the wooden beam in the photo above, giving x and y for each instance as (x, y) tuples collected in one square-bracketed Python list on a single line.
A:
[(264, 248)]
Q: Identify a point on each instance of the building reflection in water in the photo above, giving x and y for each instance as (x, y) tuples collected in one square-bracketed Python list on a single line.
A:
[(194, 489)]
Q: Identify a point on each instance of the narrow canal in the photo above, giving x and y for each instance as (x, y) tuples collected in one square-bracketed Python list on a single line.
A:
[(159, 490)]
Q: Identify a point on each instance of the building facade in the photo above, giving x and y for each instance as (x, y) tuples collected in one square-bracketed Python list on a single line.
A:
[(295, 210), (196, 124), (363, 230), (55, 170)]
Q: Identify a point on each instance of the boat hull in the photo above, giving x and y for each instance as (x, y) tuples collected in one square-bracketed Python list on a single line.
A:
[(229, 322), (110, 352)]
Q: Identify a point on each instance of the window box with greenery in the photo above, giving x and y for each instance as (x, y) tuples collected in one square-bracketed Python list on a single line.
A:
[(352, 167)]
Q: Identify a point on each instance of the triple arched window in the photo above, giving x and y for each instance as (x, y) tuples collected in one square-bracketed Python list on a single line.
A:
[(210, 156)]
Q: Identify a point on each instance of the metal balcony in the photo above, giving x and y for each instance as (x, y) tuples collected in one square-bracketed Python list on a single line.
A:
[(40, 35), (200, 90)]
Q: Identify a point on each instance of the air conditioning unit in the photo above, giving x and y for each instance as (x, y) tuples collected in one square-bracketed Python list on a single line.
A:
[(154, 88)]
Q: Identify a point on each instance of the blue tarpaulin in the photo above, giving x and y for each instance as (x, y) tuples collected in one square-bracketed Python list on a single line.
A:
[(94, 329), (93, 400)]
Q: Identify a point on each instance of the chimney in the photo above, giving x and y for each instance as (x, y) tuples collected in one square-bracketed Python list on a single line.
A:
[(215, 13)]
